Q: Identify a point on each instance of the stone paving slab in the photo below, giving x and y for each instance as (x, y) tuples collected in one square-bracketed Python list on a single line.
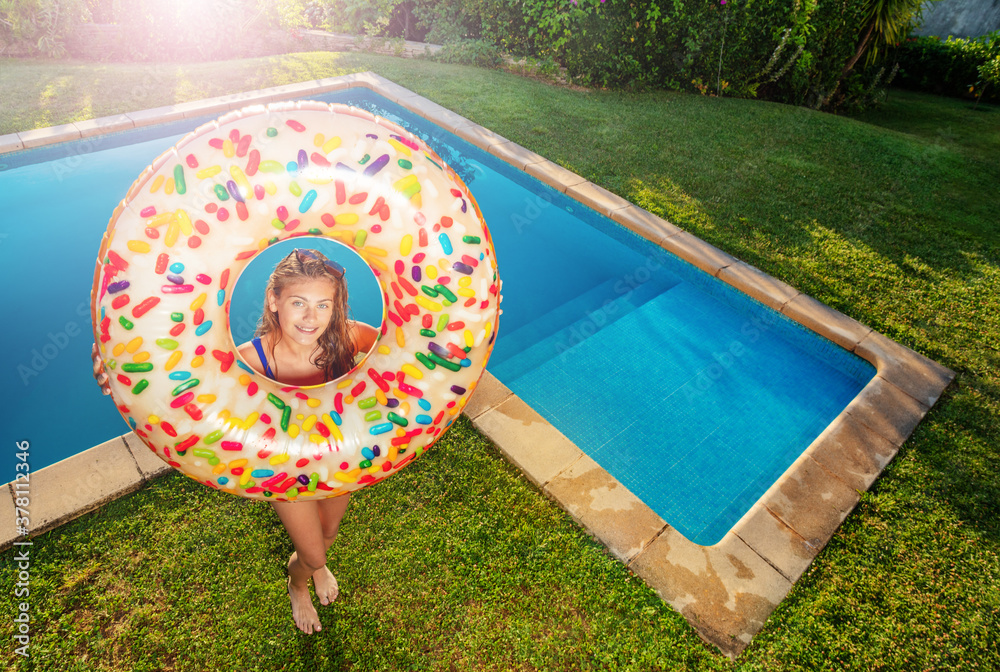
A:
[(920, 377), (696, 251), (489, 393), (597, 198), (8, 524), (40, 137), (825, 321), (514, 154), (102, 125), (11, 142), (887, 410), (641, 222), (757, 284)]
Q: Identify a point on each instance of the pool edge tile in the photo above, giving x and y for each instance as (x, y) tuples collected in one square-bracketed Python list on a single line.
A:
[(481, 137), (150, 466), (11, 142), (92, 128), (597, 198), (489, 393), (918, 376), (155, 115), (827, 322), (696, 251), (646, 224), (554, 175), (726, 592), (758, 285), (608, 510), (81, 483), (514, 154), (853, 452), (50, 135), (887, 410), (8, 526), (527, 440)]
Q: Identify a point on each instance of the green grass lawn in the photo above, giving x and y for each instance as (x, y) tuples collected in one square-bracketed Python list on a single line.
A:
[(458, 563)]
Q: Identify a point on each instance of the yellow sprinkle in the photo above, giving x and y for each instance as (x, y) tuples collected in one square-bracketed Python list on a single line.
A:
[(197, 361), (404, 409), (384, 349), (241, 180), (119, 349), (245, 477), (489, 329), (168, 188), (211, 171), (374, 469), (236, 464), (331, 144), (206, 398), (344, 478), (346, 219), (349, 399), (244, 380), (400, 338), (317, 438), (309, 423), (279, 459), (406, 183), (173, 232), (465, 281), (432, 272), (293, 431), (185, 222), (454, 410), (153, 420), (376, 251), (405, 245), (465, 291), (140, 246), (312, 403), (344, 383), (400, 394), (400, 432), (157, 183), (224, 415), (319, 180), (318, 140), (392, 453), (141, 356), (219, 468), (199, 302), (444, 262), (380, 396), (374, 262), (299, 416), (251, 420), (416, 200), (411, 370), (400, 147), (427, 303), (469, 340), (228, 149), (270, 188), (175, 357), (161, 219)]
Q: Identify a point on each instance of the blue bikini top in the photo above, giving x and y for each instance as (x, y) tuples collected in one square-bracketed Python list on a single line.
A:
[(263, 357)]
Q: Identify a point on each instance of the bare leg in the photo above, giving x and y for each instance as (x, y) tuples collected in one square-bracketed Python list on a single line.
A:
[(331, 512), (302, 522)]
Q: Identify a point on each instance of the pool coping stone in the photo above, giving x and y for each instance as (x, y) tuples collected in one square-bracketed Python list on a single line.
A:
[(726, 591)]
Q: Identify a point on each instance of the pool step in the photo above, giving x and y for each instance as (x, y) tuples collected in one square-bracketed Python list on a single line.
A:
[(545, 339)]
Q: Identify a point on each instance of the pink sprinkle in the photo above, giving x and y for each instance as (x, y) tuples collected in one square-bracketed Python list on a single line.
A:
[(148, 211)]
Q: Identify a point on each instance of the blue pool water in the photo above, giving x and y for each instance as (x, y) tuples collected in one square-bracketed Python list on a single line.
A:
[(693, 395)]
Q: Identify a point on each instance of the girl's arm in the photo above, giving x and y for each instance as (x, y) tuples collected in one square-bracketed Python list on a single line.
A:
[(364, 336)]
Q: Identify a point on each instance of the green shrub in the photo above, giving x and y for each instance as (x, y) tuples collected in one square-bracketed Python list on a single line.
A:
[(470, 52), (39, 27), (951, 67)]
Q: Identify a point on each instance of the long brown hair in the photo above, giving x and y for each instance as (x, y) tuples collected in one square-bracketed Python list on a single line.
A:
[(336, 356)]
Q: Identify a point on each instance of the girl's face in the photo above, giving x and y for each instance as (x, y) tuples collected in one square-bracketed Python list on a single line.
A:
[(304, 309)]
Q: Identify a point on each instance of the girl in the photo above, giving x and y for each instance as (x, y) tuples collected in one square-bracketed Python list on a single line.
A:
[(304, 337)]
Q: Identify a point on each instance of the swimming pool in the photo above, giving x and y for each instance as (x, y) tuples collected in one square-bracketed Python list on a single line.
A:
[(690, 393)]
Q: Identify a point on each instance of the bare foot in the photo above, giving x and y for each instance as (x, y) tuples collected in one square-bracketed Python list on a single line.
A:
[(325, 584), (303, 611)]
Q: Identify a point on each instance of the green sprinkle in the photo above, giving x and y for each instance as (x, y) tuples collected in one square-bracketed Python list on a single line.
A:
[(286, 415), (167, 343), (271, 132), (140, 386), (403, 163), (277, 223), (367, 403), (214, 436), (180, 186), (365, 464), (177, 317), (402, 422), (186, 385), (365, 159), (429, 291), (454, 366), (442, 322), (203, 452), (275, 400), (372, 416), (471, 239), (428, 333), (422, 358), (125, 323), (137, 367), (221, 193), (446, 292), (295, 188)]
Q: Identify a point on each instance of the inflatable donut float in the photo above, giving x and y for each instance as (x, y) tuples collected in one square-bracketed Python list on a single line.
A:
[(196, 217)]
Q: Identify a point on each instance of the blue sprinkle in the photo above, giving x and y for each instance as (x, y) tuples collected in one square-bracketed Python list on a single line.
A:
[(368, 454), (336, 418), (307, 200), (177, 267), (424, 419), (292, 167), (223, 480), (131, 422), (243, 366), (180, 375), (466, 362), (381, 428), (445, 243), (203, 327), (261, 473), (220, 297), (424, 404)]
